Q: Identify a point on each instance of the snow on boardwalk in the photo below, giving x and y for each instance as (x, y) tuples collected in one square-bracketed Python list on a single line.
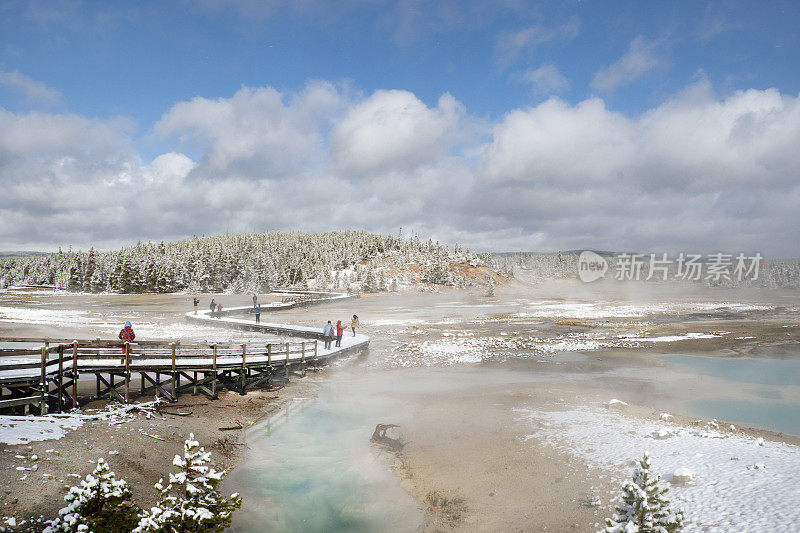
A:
[(740, 483)]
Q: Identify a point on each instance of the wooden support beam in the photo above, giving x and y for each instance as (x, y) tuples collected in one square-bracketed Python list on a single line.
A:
[(60, 377), (174, 375), (43, 382), (287, 361), (127, 371), (74, 374), (244, 370), (214, 381)]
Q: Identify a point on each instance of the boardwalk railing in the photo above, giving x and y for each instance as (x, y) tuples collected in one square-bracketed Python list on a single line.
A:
[(51, 380), (46, 378)]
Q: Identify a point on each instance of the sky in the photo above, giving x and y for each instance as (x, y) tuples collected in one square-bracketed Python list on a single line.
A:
[(503, 125)]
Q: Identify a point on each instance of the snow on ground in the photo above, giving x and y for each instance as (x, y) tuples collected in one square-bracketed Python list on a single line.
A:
[(64, 317), (25, 429), (464, 348), (558, 309), (740, 483), (675, 338)]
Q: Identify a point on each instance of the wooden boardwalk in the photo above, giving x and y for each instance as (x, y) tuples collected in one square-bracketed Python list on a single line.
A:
[(50, 381)]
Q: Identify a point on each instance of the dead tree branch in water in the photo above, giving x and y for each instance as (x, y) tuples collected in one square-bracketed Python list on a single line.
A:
[(379, 437)]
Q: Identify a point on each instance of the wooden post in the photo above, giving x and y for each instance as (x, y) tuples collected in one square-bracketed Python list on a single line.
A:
[(214, 375), (303, 354), (43, 398), (244, 368), (174, 384), (316, 345), (74, 373), (287, 360), (60, 377), (127, 371)]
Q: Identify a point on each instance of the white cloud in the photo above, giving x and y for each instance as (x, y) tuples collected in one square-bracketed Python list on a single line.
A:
[(696, 172), (640, 59), (393, 130), (258, 133), (33, 92), (544, 80), (510, 45)]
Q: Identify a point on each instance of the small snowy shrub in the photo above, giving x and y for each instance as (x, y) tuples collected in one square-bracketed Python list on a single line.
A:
[(101, 503), (190, 503), (645, 507)]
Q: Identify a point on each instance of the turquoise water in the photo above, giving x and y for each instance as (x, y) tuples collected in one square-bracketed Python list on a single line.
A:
[(312, 469), (776, 416), (764, 371), (768, 392)]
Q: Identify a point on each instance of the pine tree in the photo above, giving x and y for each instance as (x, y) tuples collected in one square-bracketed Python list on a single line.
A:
[(198, 506), (645, 507), (489, 286), (89, 268), (100, 503), (369, 284)]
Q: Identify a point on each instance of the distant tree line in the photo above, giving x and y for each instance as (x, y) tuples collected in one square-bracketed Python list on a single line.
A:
[(535, 266), (253, 262)]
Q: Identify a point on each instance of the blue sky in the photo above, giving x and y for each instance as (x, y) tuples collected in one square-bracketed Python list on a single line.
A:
[(127, 66), (137, 59)]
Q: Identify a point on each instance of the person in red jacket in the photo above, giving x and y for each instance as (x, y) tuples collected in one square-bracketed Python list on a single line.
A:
[(126, 335), (339, 332)]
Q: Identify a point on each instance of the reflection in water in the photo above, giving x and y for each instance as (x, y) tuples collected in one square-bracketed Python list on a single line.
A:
[(773, 406), (751, 370), (771, 415), (310, 468)]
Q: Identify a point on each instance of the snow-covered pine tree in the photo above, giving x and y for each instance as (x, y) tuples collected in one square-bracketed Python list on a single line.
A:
[(489, 286), (369, 283), (100, 503), (190, 503), (645, 507)]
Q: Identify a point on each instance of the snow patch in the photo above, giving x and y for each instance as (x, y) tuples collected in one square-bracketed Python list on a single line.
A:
[(726, 494)]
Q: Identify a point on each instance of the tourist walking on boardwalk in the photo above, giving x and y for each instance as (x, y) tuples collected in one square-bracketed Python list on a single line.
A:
[(326, 332), (339, 333), (219, 310), (126, 335), (196, 303), (255, 300), (213, 307), (354, 323), (258, 313)]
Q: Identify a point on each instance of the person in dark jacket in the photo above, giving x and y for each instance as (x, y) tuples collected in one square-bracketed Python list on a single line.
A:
[(258, 313), (327, 334), (126, 335), (196, 303), (213, 307)]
